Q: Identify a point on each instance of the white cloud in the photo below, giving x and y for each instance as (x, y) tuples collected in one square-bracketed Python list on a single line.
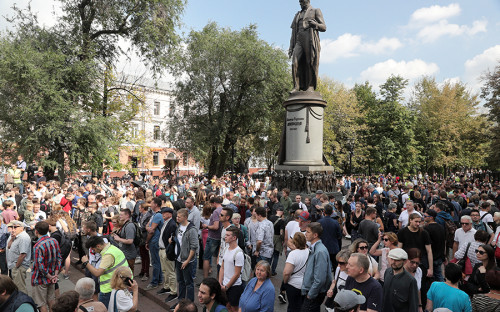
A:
[(479, 64), (434, 13), (378, 73), (432, 32), (349, 45)]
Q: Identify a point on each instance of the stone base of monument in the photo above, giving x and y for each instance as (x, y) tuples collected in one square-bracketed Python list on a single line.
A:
[(302, 166)]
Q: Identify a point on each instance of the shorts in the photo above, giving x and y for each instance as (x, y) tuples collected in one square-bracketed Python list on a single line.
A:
[(211, 248), (42, 294), (233, 295)]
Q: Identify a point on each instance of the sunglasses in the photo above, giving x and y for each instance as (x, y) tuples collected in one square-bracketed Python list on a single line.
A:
[(363, 247), (342, 263), (481, 252), (386, 239), (464, 223), (14, 226)]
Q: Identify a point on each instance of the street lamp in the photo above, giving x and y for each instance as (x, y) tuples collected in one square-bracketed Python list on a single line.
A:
[(350, 142)]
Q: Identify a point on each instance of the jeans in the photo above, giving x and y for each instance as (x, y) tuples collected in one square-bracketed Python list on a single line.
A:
[(313, 305), (276, 257), (185, 280), (104, 298), (3, 263), (259, 258), (438, 272), (155, 260), (195, 264)]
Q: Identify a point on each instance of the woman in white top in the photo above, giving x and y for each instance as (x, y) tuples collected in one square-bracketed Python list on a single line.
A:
[(125, 291), (340, 277), (361, 245), (390, 242), (293, 273)]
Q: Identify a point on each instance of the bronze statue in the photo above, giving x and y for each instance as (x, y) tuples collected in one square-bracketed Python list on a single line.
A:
[(305, 46)]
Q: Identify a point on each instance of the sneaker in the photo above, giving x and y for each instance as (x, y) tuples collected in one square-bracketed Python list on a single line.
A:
[(274, 274), (151, 286), (66, 276), (140, 275), (162, 291), (282, 298), (138, 260), (171, 297), (172, 308), (144, 278), (348, 236)]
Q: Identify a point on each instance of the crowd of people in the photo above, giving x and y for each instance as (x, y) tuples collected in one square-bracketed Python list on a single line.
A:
[(417, 243)]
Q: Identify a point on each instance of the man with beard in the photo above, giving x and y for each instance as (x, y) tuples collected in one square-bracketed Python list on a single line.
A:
[(400, 287)]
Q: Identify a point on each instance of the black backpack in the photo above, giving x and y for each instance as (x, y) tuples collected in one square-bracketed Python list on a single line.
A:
[(65, 246), (139, 239)]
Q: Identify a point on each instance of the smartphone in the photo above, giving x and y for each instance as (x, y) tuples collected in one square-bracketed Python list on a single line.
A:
[(128, 281)]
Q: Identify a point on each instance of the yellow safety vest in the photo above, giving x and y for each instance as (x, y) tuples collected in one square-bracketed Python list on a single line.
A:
[(105, 278)]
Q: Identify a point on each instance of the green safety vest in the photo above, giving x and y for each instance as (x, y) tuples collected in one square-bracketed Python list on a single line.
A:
[(105, 278)]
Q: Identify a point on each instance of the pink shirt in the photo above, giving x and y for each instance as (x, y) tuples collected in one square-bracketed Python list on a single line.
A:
[(9, 215)]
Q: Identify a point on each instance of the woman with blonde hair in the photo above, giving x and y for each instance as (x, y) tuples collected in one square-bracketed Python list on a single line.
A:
[(360, 245), (259, 294), (390, 240), (125, 291)]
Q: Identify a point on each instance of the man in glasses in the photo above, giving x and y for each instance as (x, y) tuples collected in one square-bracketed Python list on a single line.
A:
[(400, 287), (465, 234), (18, 253)]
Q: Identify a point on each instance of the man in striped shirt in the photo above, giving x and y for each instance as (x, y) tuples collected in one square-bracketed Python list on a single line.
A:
[(46, 266)]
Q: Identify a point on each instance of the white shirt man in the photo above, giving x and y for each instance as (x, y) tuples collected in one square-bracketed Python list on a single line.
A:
[(465, 234), (405, 214), (230, 271)]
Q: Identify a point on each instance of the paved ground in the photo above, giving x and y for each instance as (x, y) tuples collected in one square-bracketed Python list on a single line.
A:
[(149, 300)]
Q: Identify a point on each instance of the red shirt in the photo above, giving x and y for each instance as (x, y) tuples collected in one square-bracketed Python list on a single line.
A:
[(66, 204)]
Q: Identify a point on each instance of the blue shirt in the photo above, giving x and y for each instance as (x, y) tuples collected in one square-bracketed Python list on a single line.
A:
[(158, 219), (445, 296), (260, 300)]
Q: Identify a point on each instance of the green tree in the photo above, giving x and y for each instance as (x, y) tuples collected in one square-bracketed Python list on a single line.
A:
[(389, 138), (341, 127), (490, 92), (62, 103), (234, 84), (448, 127)]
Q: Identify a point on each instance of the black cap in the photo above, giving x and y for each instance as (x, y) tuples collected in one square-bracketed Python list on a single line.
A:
[(432, 213), (167, 209)]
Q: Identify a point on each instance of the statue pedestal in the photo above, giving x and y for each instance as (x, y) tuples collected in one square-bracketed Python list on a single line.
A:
[(302, 139)]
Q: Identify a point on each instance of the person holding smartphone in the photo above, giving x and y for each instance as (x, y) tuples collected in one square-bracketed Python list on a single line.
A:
[(125, 291)]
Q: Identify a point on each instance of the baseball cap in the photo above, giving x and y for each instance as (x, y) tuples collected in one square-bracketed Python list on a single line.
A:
[(319, 192), (398, 254), (432, 213), (304, 215), (348, 299)]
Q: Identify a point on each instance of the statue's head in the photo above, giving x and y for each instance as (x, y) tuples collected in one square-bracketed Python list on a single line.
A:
[(304, 3)]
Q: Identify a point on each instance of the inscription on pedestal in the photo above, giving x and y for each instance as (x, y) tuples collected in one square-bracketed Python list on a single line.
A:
[(294, 123)]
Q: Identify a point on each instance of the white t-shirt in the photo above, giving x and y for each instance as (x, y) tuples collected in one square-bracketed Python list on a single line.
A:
[(124, 300), (291, 228), (488, 218), (223, 245), (180, 233), (373, 264), (404, 217), (232, 259), (298, 258), (463, 238), (340, 277), (418, 277), (40, 213)]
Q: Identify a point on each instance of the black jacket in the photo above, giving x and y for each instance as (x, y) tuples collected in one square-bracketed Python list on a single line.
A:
[(169, 231)]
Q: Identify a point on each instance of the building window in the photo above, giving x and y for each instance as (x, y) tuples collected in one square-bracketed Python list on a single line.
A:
[(185, 159), (135, 130), (156, 109), (171, 110), (156, 158), (134, 161), (156, 133)]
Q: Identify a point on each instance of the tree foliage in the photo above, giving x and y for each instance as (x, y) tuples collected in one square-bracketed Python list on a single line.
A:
[(62, 101), (449, 129), (342, 128), (491, 94), (233, 86)]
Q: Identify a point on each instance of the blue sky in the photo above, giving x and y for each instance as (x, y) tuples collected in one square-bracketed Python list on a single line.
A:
[(366, 39)]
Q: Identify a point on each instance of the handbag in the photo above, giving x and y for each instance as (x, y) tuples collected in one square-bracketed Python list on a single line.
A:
[(464, 263), (497, 249)]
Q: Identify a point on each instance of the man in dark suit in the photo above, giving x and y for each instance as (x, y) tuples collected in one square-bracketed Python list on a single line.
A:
[(167, 266), (332, 235)]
